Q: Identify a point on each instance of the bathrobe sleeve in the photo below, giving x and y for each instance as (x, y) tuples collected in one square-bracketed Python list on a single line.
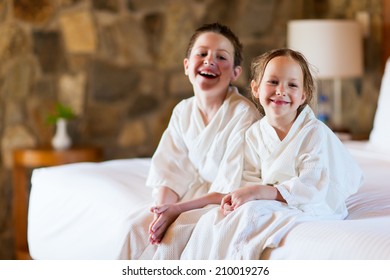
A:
[(170, 165), (326, 174)]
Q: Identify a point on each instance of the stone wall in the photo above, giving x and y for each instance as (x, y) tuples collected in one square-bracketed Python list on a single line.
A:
[(119, 65)]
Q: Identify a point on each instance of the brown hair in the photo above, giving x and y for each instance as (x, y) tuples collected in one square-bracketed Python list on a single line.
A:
[(224, 31), (260, 63)]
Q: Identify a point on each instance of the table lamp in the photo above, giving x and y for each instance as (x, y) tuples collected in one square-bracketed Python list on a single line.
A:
[(334, 47)]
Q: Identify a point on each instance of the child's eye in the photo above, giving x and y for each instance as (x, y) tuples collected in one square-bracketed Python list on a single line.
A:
[(202, 54), (221, 57), (293, 85), (273, 82)]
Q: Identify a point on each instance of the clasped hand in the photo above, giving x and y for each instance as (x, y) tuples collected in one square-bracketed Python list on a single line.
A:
[(164, 216)]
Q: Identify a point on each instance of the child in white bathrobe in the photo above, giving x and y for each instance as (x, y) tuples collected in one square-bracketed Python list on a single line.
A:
[(290, 155), (296, 169), (200, 156)]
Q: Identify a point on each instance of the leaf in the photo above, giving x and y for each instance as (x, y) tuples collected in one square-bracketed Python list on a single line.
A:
[(61, 112)]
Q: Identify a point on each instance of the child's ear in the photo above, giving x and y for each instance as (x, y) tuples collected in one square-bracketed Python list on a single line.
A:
[(185, 62), (236, 72), (303, 99), (255, 88)]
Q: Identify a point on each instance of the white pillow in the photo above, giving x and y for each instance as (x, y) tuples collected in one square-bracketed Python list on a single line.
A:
[(380, 134)]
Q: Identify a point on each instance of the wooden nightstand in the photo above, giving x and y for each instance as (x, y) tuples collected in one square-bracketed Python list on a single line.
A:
[(23, 161)]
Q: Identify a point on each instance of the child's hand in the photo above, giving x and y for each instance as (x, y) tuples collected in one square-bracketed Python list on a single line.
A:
[(235, 199), (164, 216), (226, 204)]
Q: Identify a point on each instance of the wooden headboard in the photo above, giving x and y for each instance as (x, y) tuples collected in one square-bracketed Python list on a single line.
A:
[(386, 31)]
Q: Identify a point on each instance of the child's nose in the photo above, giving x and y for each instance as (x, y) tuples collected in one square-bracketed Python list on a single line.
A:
[(209, 60), (280, 91)]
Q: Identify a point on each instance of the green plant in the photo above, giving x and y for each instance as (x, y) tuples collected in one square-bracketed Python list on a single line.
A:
[(61, 112)]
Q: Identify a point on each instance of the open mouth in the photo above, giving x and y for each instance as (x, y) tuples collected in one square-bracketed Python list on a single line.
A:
[(208, 75)]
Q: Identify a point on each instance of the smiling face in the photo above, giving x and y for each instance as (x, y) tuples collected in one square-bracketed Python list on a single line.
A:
[(281, 89), (210, 65)]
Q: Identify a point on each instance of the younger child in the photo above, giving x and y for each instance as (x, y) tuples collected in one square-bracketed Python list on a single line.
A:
[(295, 168), (290, 155)]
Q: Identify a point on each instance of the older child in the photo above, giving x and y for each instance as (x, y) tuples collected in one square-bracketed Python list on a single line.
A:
[(200, 155), (295, 169)]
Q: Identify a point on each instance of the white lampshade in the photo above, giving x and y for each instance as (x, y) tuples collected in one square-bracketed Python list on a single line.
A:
[(334, 47)]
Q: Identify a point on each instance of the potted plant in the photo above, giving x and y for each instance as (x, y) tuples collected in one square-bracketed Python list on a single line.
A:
[(60, 118)]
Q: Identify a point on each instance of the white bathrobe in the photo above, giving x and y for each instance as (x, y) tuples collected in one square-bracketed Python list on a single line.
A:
[(193, 159), (311, 169), (192, 155)]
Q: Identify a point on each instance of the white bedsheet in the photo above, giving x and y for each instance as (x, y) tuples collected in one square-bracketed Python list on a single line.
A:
[(82, 211)]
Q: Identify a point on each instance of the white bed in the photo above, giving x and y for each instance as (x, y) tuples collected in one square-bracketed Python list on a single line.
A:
[(88, 219), (82, 210)]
